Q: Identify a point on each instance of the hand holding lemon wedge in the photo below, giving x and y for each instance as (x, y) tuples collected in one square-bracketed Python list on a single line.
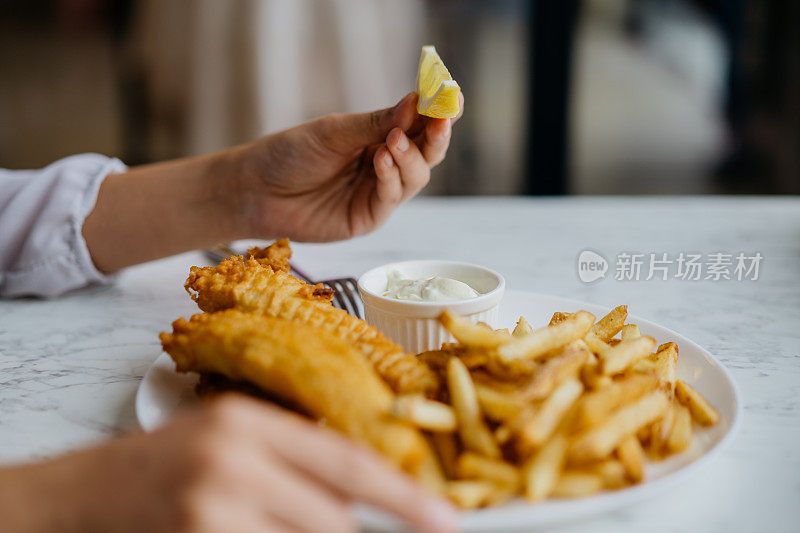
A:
[(438, 91)]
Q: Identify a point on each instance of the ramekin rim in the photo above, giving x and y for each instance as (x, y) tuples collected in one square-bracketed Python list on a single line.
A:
[(501, 283)]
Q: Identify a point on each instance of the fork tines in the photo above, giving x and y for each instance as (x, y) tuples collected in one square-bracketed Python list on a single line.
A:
[(345, 295)]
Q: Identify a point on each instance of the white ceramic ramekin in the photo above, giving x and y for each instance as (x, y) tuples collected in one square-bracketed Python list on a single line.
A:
[(413, 325)]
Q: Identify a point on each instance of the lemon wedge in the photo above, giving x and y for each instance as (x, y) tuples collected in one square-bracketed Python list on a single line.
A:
[(438, 91)]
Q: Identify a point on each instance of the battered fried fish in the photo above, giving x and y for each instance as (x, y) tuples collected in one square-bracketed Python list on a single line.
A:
[(324, 375), (276, 255), (250, 286)]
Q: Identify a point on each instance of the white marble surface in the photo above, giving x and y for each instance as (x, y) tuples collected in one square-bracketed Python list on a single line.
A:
[(69, 367)]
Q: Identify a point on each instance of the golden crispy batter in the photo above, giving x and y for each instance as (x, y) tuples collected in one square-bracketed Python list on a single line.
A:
[(215, 288), (252, 287), (324, 375), (276, 255)]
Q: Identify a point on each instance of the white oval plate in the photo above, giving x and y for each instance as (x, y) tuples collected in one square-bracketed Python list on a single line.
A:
[(163, 391)]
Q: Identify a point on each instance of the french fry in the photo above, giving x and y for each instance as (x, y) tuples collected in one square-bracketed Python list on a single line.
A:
[(596, 344), (630, 331), (631, 456), (512, 426), (522, 328), (504, 384), (644, 434), (504, 432), (661, 430), (702, 411), (497, 405), (557, 369), (446, 448), (511, 370), (600, 339), (578, 485), (538, 428), (590, 373), (594, 407), (470, 333), (643, 366), (600, 441), (436, 359), (681, 436), (666, 361), (473, 466), (593, 379), (502, 493), (424, 413), (470, 494), (619, 357), (611, 324), (612, 472), (583, 403), (542, 341), (471, 428), (473, 357), (430, 474), (541, 471), (559, 317)]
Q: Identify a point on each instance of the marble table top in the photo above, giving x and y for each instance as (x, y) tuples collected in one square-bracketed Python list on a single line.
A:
[(70, 367)]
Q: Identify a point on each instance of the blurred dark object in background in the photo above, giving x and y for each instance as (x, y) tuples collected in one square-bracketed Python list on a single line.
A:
[(763, 103), (578, 97), (553, 27), (761, 100)]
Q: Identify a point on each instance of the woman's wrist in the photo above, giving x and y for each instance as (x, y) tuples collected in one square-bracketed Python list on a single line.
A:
[(158, 210), (259, 209), (225, 189)]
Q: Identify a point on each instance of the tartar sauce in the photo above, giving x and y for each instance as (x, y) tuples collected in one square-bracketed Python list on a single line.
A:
[(434, 289)]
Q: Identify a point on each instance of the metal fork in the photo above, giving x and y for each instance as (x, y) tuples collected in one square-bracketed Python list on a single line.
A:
[(345, 290)]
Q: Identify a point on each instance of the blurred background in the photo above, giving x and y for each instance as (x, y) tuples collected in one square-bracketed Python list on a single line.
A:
[(563, 96)]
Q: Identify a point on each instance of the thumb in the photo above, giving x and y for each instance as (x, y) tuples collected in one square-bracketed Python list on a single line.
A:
[(348, 132)]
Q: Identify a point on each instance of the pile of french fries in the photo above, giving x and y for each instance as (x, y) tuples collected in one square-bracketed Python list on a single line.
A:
[(565, 411)]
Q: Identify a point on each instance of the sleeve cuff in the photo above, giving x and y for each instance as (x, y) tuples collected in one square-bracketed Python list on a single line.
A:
[(55, 258), (83, 206)]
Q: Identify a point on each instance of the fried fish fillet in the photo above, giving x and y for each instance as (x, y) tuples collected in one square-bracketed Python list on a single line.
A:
[(323, 375), (250, 286), (276, 255)]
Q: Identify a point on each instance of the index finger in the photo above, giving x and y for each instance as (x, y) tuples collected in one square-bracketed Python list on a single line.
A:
[(356, 472)]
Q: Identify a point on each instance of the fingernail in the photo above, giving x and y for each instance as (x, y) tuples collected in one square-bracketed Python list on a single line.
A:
[(442, 517), (388, 161), (402, 142), (448, 128)]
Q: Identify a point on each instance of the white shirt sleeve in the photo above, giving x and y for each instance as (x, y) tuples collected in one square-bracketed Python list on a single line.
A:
[(42, 250)]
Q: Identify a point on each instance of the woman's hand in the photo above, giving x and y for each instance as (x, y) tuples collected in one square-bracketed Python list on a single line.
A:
[(342, 175), (333, 178), (239, 465)]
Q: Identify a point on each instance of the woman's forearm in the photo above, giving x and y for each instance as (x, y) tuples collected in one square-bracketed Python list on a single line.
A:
[(328, 179), (162, 209)]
